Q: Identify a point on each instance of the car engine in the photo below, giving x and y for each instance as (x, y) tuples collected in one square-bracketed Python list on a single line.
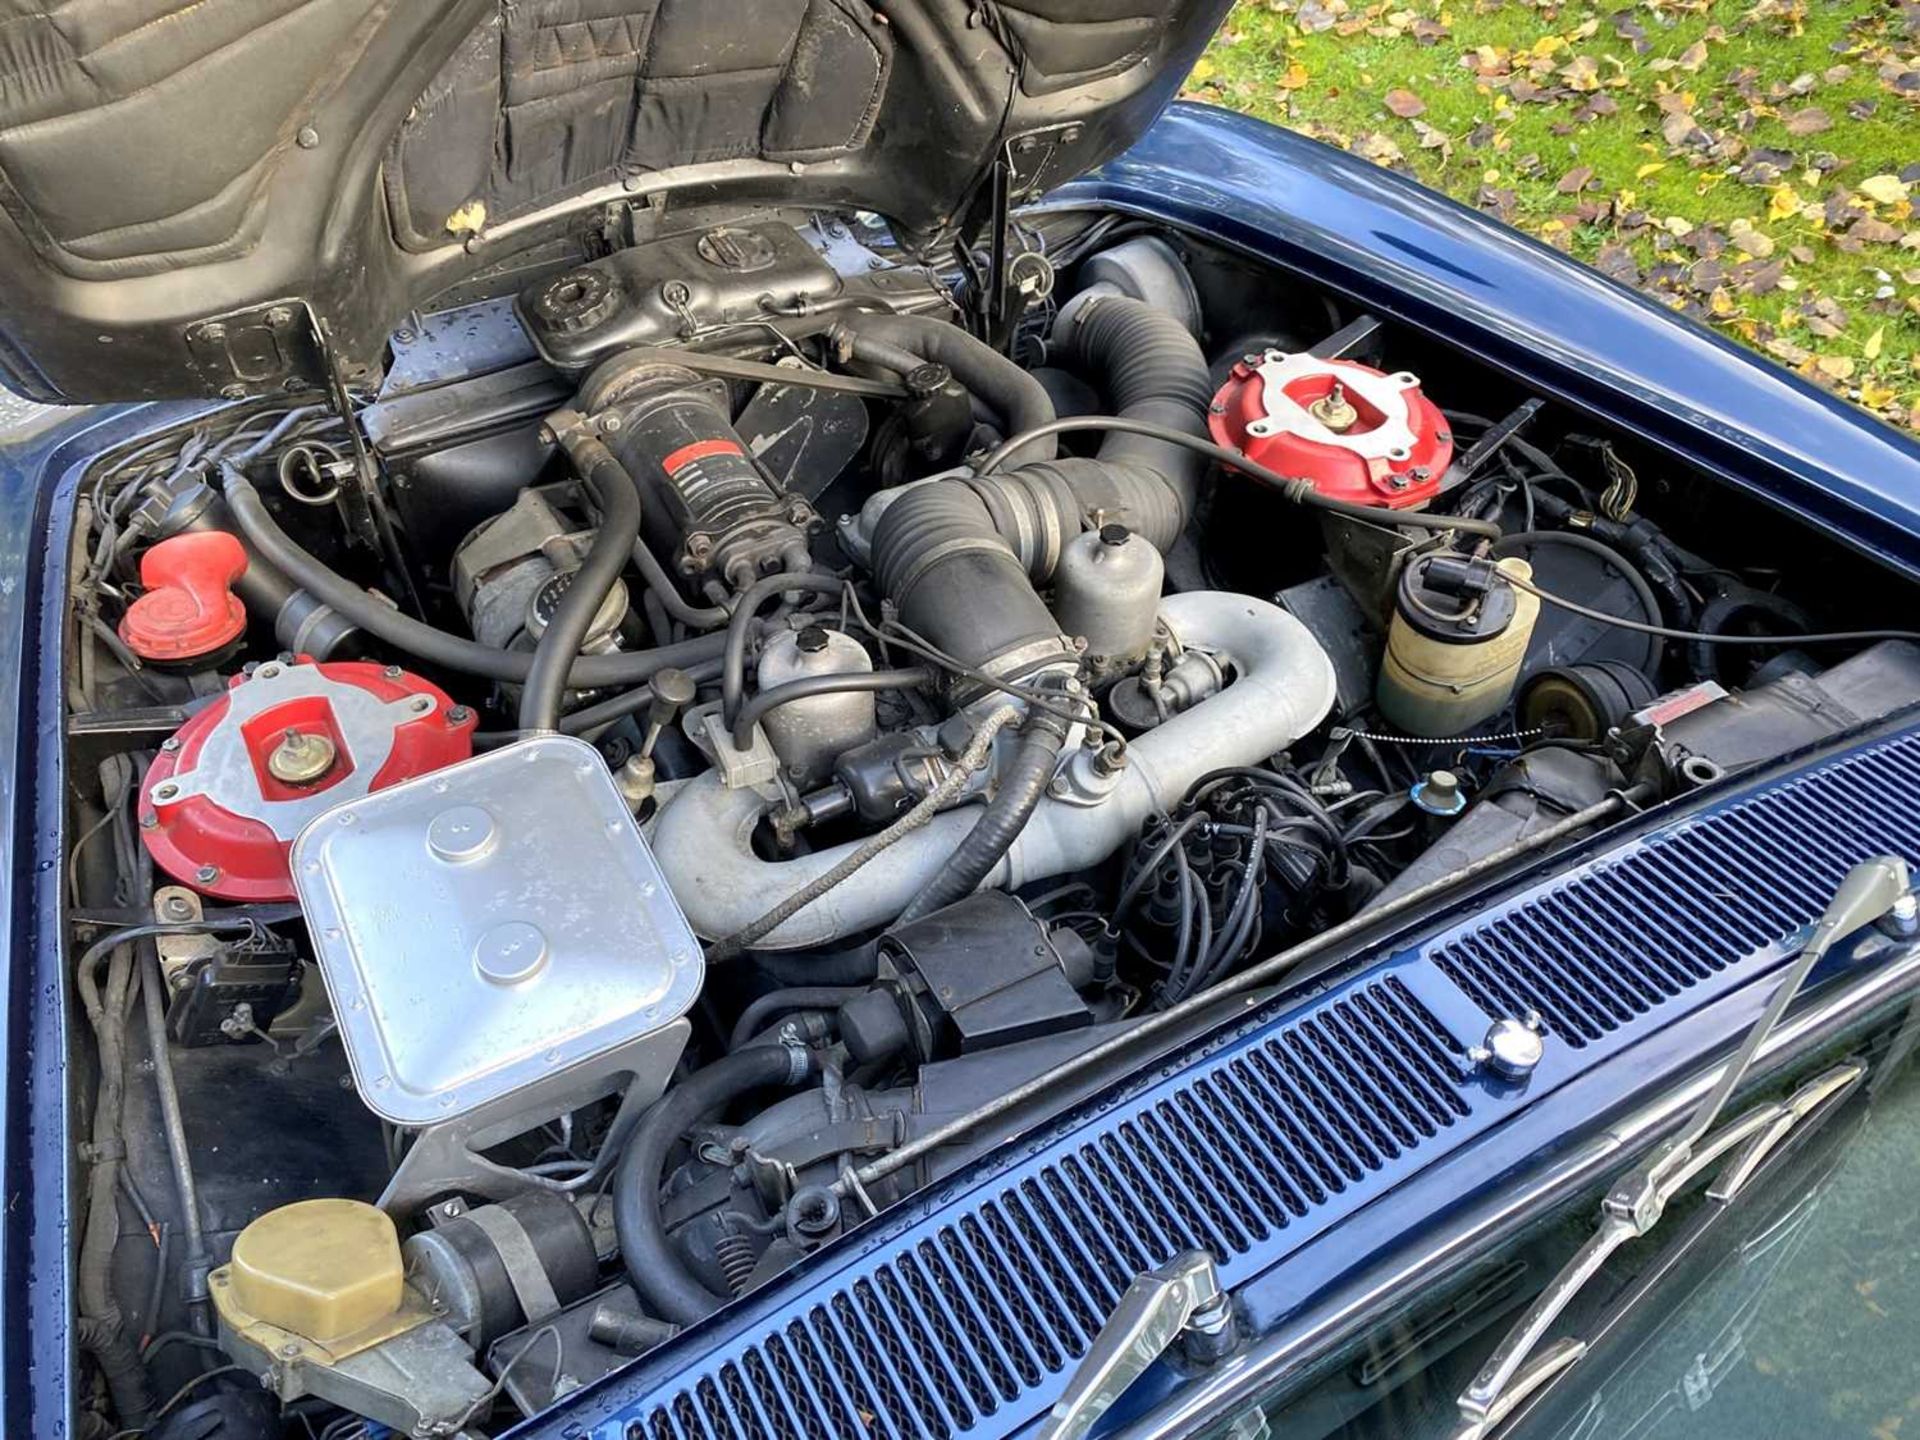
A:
[(554, 821)]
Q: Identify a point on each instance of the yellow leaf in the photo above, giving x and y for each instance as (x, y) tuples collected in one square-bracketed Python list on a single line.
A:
[(1874, 341), (1547, 44), (1653, 169), (1782, 202), (1201, 73), (1875, 396), (1295, 77), (1884, 189), (1835, 367), (1491, 177), (469, 219)]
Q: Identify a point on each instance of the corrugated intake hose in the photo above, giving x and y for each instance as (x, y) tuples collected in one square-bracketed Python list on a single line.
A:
[(938, 555), (1149, 369), (961, 558), (1003, 818), (654, 1266)]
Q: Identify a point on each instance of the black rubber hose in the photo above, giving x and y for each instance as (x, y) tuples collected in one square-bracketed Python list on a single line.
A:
[(1642, 592), (545, 692), (1019, 399), (1001, 821), (858, 966), (733, 658), (874, 351), (658, 1273), (782, 1002), (424, 642), (808, 686), (660, 584)]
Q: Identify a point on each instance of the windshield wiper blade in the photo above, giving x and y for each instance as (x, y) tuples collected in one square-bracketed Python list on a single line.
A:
[(1523, 1361)]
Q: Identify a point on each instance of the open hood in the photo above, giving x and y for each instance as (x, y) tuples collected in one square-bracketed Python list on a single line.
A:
[(228, 197)]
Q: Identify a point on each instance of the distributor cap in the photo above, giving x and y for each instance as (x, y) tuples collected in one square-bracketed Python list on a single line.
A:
[(1353, 432)]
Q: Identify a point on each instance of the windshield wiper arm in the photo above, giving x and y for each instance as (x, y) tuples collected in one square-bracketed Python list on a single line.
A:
[(1637, 1200)]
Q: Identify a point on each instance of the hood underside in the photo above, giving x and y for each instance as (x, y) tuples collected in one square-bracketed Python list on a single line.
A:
[(207, 197)]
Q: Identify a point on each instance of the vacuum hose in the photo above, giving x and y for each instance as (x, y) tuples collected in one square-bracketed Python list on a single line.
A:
[(656, 1268), (588, 587)]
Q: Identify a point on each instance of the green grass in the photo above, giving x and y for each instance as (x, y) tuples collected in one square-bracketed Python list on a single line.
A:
[(1794, 235)]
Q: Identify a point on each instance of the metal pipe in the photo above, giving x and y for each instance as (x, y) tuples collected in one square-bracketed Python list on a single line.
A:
[(1248, 979), (198, 1259)]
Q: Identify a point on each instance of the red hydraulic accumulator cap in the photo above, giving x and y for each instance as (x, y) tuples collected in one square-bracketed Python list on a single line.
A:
[(1352, 432), (189, 609)]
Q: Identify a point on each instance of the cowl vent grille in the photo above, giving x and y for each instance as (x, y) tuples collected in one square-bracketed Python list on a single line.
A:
[(974, 1314), (1607, 946)]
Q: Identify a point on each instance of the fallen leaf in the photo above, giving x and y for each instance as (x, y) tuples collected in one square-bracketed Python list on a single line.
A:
[(1884, 189), (1874, 341), (1835, 367), (1782, 202), (1694, 56), (1575, 180), (1810, 121), (1405, 104), (1653, 169)]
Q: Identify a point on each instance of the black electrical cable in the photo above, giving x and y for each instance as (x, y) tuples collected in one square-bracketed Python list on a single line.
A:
[(661, 586), (809, 686), (733, 658), (587, 587), (1567, 539), (1832, 637), (423, 641), (656, 1268), (1299, 491)]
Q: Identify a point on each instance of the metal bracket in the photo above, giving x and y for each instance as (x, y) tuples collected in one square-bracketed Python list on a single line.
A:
[(260, 351), (1183, 1298)]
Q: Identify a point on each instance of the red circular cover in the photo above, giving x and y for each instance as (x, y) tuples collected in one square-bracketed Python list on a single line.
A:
[(214, 816), (1393, 453), (189, 609)]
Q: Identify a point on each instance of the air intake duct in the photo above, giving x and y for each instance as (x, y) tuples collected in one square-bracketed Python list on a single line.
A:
[(961, 557)]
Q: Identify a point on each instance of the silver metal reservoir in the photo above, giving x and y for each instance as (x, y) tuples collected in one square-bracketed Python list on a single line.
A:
[(493, 929)]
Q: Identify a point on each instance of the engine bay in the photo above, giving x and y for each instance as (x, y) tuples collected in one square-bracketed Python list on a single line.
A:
[(568, 832)]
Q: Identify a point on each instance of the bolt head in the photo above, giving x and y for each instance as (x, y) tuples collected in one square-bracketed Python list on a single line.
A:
[(307, 138), (207, 874)]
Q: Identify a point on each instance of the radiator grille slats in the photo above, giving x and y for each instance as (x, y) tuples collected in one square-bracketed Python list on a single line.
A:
[(1634, 932), (958, 1324)]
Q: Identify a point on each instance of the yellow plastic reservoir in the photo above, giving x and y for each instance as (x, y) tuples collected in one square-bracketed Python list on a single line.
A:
[(323, 1269), (1453, 657)]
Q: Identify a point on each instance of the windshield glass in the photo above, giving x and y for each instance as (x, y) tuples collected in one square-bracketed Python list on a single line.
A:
[(1793, 1314)]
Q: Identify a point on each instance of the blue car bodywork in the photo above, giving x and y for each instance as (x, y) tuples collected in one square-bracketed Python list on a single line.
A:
[(1400, 252)]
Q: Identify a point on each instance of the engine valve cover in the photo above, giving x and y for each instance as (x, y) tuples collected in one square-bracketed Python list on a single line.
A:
[(229, 792), (1354, 433)]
